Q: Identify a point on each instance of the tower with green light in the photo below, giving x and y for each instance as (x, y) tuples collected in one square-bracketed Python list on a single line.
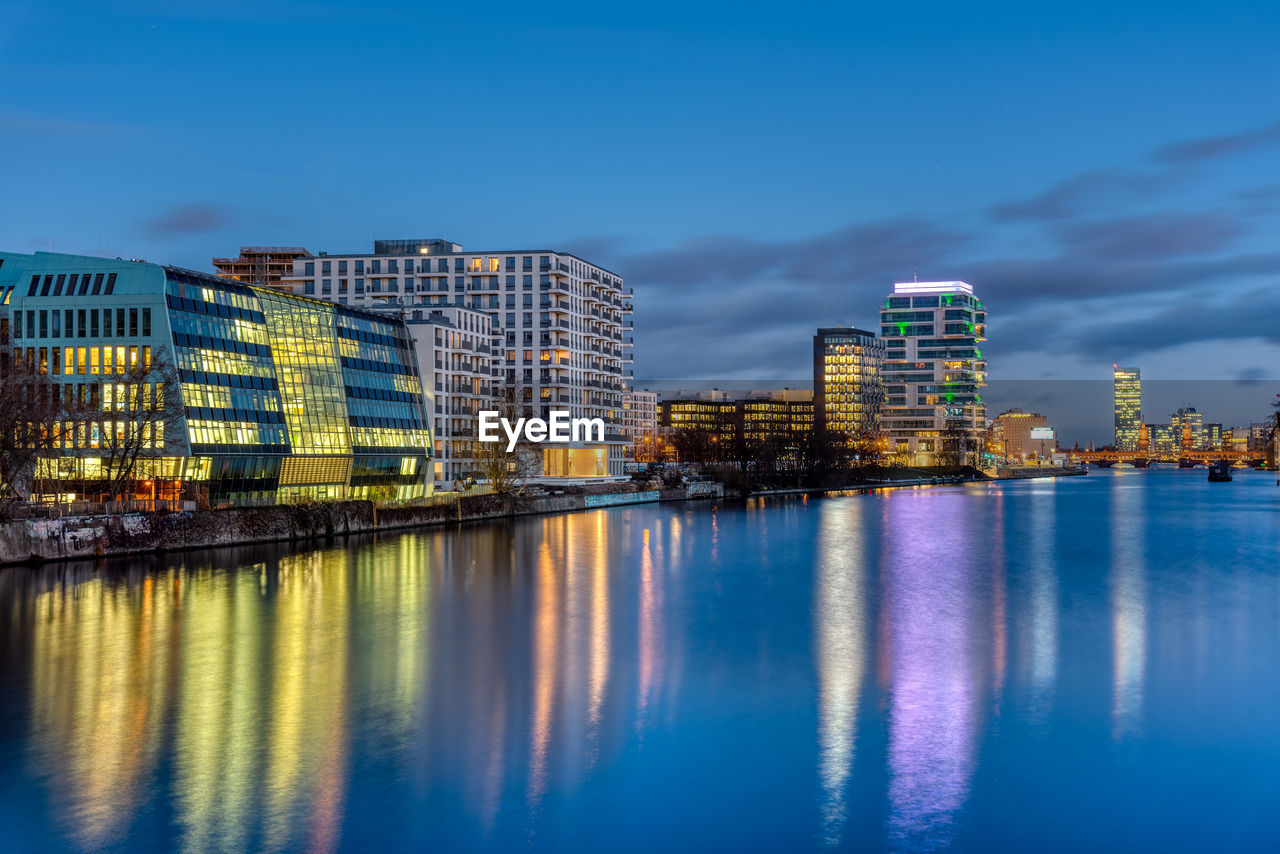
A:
[(934, 369)]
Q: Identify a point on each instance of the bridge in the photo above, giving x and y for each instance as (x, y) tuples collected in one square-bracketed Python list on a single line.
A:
[(1143, 458)]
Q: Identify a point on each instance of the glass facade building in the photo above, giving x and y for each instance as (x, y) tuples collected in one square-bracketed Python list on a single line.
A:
[(280, 397), (847, 391), (934, 369), (1128, 406)]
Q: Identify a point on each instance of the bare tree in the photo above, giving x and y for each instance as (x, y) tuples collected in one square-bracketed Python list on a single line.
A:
[(954, 444), (825, 456), (865, 449), (141, 408), (32, 417), (507, 472)]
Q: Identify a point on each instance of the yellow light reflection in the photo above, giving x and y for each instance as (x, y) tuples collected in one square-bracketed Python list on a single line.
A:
[(841, 611)]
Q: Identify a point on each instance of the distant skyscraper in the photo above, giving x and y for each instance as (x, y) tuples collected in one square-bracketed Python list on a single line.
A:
[(847, 392), (934, 370), (1128, 402), (1188, 428), (1213, 435)]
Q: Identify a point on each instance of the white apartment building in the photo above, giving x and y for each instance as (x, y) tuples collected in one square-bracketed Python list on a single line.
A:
[(933, 370), (640, 417), (560, 326), (455, 360)]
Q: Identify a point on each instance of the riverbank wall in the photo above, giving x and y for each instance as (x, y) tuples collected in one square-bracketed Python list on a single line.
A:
[(33, 541)]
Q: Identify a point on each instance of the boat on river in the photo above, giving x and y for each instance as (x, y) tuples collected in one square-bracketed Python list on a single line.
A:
[(1220, 472)]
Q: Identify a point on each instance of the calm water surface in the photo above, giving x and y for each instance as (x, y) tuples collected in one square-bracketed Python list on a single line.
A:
[(1084, 664)]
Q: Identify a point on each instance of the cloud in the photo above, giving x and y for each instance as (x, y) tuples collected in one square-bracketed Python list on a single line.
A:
[(1092, 268), (1217, 147), (1153, 176), (1248, 315), (1084, 193), (192, 218), (1155, 236), (1252, 375)]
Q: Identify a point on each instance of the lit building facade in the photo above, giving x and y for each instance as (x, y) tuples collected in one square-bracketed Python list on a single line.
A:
[(1161, 441), (1188, 428), (1127, 390), (934, 370), (847, 390), (260, 265), (561, 329), (453, 345), (1023, 435), (280, 397), (717, 417), (640, 422), (1213, 433)]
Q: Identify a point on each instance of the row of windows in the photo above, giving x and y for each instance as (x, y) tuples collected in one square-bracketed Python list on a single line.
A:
[(204, 342), (226, 397), (375, 367), (229, 380), (72, 285), (369, 336), (84, 360), (232, 329), (907, 330), (82, 323), (106, 435), (207, 432), (393, 265), (214, 413), (360, 393), (224, 308)]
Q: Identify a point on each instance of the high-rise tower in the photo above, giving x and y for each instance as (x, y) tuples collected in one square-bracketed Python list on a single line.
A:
[(934, 371), (1128, 400)]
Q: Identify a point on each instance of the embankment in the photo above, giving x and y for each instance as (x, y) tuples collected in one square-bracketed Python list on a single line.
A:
[(29, 541)]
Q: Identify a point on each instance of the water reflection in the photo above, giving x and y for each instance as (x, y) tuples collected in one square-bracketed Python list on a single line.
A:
[(1044, 600), (220, 744), (841, 617), (1128, 604), (102, 666), (522, 685), (930, 600)]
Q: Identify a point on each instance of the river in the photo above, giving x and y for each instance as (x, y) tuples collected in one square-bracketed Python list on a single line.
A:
[(1086, 663)]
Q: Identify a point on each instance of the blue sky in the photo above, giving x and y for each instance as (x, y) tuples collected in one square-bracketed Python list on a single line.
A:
[(1106, 175)]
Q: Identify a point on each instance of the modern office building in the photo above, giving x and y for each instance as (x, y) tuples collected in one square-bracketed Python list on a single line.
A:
[(1213, 433), (278, 397), (934, 370), (771, 422), (455, 358), (260, 265), (1188, 428), (1127, 389), (848, 394), (1236, 439), (717, 416), (1023, 435), (1161, 442), (560, 325)]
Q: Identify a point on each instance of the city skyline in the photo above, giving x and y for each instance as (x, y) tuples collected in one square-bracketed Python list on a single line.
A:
[(1102, 224)]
